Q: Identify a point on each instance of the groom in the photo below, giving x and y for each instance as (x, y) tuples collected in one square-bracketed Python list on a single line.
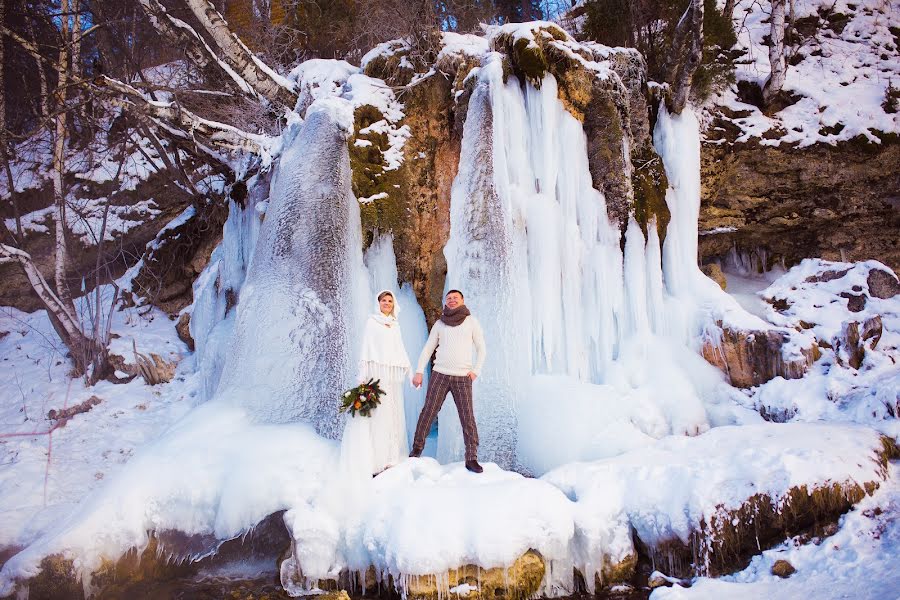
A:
[(453, 336)]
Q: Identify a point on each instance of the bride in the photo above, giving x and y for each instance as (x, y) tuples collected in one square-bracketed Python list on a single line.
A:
[(382, 436)]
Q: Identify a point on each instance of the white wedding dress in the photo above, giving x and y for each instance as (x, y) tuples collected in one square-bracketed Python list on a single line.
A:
[(371, 444)]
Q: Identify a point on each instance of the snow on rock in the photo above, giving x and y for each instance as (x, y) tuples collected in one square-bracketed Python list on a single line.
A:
[(841, 72), (320, 78), (408, 522), (859, 561), (671, 490), (530, 41), (822, 296), (211, 475), (857, 378), (386, 50), (469, 45)]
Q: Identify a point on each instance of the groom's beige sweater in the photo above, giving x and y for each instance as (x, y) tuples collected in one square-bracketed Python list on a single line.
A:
[(454, 348)]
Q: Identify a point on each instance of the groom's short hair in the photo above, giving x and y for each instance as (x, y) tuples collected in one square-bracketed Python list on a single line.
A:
[(455, 292)]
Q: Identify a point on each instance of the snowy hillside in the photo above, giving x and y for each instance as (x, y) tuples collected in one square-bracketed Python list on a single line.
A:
[(843, 73)]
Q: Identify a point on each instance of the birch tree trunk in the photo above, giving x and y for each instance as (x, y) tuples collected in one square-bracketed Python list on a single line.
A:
[(777, 60), (83, 349), (258, 75), (59, 164)]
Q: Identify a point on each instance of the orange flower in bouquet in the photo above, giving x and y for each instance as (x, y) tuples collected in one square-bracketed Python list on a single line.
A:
[(362, 399)]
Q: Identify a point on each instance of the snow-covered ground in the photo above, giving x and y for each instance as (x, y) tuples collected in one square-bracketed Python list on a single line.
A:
[(842, 61), (45, 475)]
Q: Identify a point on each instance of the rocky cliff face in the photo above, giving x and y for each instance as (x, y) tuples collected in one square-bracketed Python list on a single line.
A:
[(838, 202)]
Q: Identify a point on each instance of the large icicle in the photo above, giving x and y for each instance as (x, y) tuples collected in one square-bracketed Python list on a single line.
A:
[(693, 296), (292, 352), (483, 254), (216, 289)]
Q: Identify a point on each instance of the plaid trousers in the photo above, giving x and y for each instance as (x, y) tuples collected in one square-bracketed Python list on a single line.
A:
[(461, 388)]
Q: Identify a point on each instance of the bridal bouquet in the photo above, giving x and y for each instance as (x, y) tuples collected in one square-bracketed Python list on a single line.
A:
[(362, 399)]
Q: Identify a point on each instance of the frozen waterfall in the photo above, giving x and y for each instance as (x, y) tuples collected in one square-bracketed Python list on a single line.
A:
[(293, 347), (542, 268)]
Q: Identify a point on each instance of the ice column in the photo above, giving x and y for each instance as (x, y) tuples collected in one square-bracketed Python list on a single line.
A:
[(485, 260), (301, 306)]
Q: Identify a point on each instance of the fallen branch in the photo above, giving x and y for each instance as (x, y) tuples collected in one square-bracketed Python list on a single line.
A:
[(65, 414), (153, 370)]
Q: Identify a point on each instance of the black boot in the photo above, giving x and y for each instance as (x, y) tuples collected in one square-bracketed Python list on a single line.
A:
[(473, 466)]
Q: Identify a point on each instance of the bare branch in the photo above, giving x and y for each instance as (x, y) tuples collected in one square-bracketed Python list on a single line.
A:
[(182, 123), (30, 47)]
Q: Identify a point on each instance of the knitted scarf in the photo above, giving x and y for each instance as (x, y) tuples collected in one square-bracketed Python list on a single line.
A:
[(455, 316)]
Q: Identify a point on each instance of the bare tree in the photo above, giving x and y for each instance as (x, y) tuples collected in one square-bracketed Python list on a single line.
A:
[(686, 56), (87, 348), (777, 58), (4, 138)]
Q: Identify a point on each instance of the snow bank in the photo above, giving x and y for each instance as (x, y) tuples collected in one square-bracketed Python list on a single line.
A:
[(422, 518), (42, 477), (210, 475)]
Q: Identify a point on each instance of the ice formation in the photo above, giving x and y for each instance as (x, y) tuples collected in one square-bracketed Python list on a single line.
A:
[(532, 247), (293, 347)]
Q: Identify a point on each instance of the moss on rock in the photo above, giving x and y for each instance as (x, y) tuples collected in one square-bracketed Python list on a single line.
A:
[(519, 581), (617, 573), (649, 181), (531, 59), (371, 177)]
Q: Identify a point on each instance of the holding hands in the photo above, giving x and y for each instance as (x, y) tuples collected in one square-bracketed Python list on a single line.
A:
[(417, 378)]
